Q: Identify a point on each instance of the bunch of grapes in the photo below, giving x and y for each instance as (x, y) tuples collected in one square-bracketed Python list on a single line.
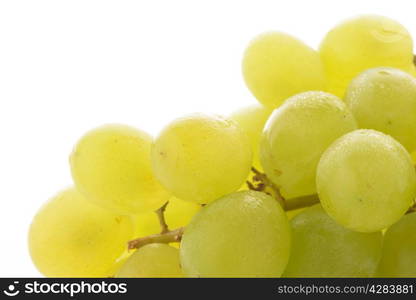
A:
[(317, 180)]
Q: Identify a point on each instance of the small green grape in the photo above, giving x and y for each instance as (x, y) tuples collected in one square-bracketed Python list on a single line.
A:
[(322, 248), (385, 99), (111, 166), (277, 66), (252, 120), (295, 137), (70, 237), (361, 43), (243, 234), (399, 249), (366, 180), (200, 158), (153, 260)]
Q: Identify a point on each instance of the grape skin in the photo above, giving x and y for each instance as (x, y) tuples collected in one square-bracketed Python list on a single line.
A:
[(361, 43), (295, 137), (366, 180), (70, 237), (152, 261), (111, 166), (244, 234), (252, 120), (323, 248), (200, 158), (399, 249), (277, 66), (385, 99)]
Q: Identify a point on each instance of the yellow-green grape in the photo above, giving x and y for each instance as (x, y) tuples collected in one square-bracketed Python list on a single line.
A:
[(244, 234), (71, 237), (295, 137), (277, 66), (413, 155), (385, 99), (200, 157), (111, 166), (252, 120), (361, 43), (178, 213), (323, 248), (366, 180), (153, 260), (399, 249)]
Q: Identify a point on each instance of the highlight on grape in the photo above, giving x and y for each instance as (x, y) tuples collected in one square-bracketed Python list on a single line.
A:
[(317, 179)]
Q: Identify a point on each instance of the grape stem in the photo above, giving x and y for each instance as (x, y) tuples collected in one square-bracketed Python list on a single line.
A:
[(171, 236), (161, 216), (263, 184), (301, 202), (412, 208), (260, 183)]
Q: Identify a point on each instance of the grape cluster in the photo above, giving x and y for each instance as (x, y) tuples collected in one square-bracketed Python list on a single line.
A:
[(316, 180)]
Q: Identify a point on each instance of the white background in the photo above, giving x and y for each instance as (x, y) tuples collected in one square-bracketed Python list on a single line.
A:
[(69, 66)]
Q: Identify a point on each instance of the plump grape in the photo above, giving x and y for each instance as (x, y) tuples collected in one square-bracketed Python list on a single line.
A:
[(399, 249), (153, 260), (277, 66), (70, 237), (366, 180), (200, 158), (385, 99), (361, 43), (295, 137), (244, 234), (111, 166), (322, 248), (252, 120), (178, 213)]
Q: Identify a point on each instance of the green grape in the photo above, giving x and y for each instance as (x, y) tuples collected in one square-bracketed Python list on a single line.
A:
[(178, 213), (277, 66), (322, 248), (200, 158), (70, 237), (361, 43), (153, 260), (111, 166), (399, 249), (366, 180), (252, 120), (413, 156), (385, 99), (295, 137), (243, 234)]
